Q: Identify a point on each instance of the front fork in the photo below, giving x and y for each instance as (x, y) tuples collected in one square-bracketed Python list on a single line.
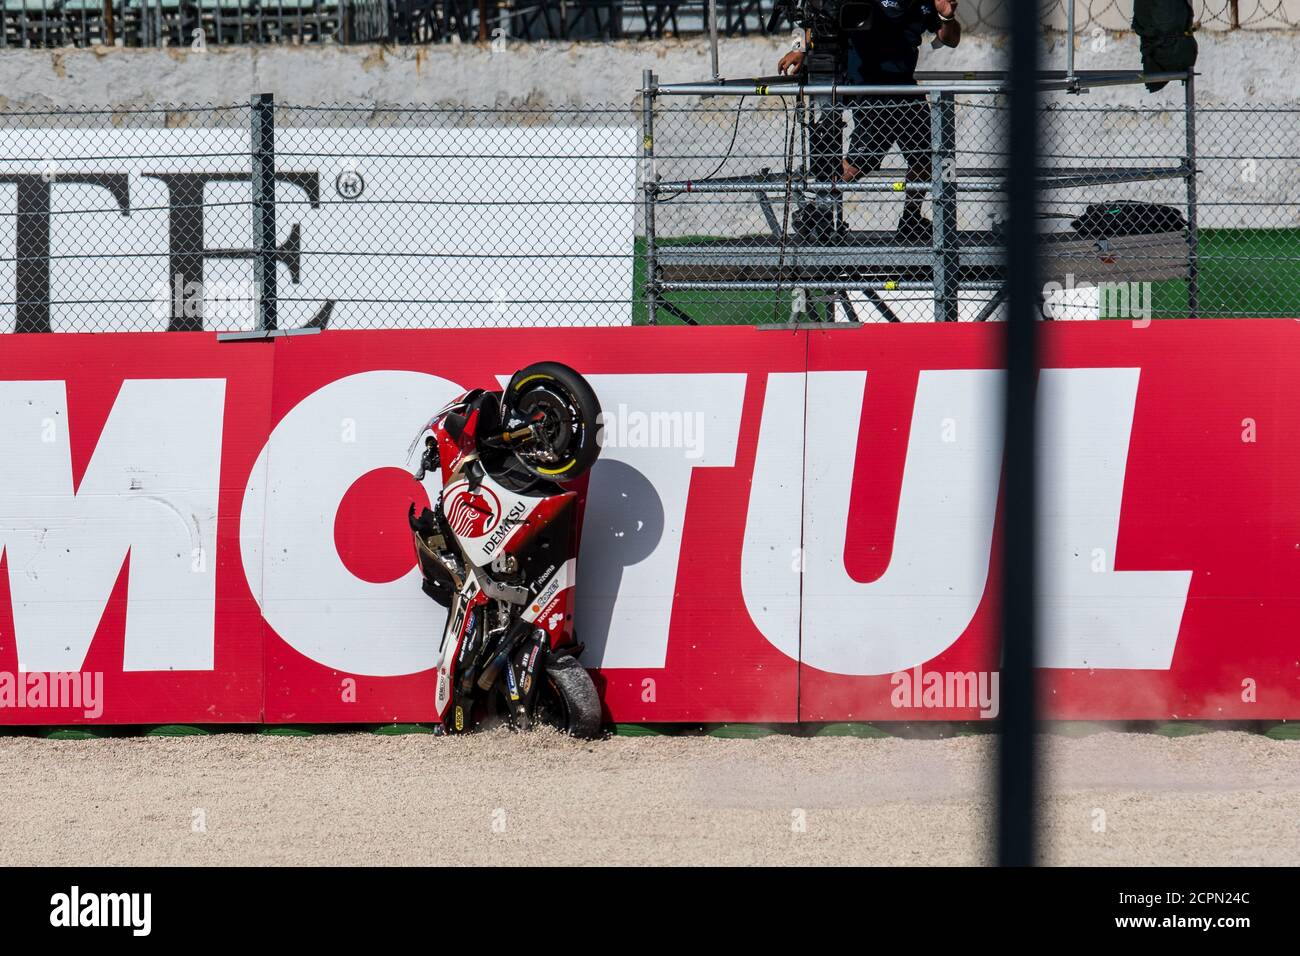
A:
[(511, 666), (468, 618), (512, 670), (523, 677)]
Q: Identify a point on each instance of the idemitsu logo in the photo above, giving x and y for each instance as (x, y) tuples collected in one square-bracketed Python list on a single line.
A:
[(472, 513), (62, 690), (103, 909)]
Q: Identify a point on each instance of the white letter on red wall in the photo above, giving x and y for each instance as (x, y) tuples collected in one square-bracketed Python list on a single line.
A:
[(939, 562), (658, 430), (150, 489), (315, 604), (771, 558), (1096, 617)]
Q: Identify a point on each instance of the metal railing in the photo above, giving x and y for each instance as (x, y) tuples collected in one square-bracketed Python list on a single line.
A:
[(56, 23), (191, 23), (830, 251)]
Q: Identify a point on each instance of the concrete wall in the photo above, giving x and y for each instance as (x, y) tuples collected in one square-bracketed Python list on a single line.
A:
[(1241, 67)]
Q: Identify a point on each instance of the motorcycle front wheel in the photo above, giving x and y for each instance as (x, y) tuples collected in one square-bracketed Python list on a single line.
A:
[(568, 701), (565, 415)]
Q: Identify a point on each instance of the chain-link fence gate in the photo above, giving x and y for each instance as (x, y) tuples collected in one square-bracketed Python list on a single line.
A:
[(843, 234), (265, 215)]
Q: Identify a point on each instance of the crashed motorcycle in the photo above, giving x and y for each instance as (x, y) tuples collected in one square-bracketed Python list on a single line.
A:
[(498, 550)]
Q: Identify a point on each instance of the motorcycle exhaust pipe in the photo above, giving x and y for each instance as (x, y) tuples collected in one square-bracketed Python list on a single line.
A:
[(493, 670), (518, 631)]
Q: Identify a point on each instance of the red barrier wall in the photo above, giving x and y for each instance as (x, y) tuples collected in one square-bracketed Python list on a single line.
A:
[(783, 525)]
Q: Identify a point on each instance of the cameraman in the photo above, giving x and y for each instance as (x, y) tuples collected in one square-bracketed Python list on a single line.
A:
[(884, 52)]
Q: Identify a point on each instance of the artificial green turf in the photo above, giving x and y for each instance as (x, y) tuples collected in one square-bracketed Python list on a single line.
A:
[(177, 730), (851, 730), (401, 730), (741, 731), (1243, 273), (732, 307), (640, 730)]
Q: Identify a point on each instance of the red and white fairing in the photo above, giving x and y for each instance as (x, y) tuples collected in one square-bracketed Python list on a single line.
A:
[(490, 522)]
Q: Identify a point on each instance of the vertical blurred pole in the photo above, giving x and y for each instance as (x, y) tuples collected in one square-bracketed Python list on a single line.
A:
[(263, 144), (110, 27), (1069, 42), (713, 37), (482, 21), (1016, 764)]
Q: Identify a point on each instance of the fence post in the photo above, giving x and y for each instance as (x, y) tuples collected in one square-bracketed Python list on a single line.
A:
[(263, 155), (1193, 239), (943, 202), (1069, 45), (648, 183)]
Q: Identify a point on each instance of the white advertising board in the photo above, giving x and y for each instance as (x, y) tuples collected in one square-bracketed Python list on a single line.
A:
[(132, 229)]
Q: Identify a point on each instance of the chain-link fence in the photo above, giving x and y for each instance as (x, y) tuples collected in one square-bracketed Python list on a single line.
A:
[(1148, 212), (54, 23), (241, 217), (234, 217)]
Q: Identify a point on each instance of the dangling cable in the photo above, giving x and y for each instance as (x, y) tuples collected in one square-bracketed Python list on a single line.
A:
[(735, 128)]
